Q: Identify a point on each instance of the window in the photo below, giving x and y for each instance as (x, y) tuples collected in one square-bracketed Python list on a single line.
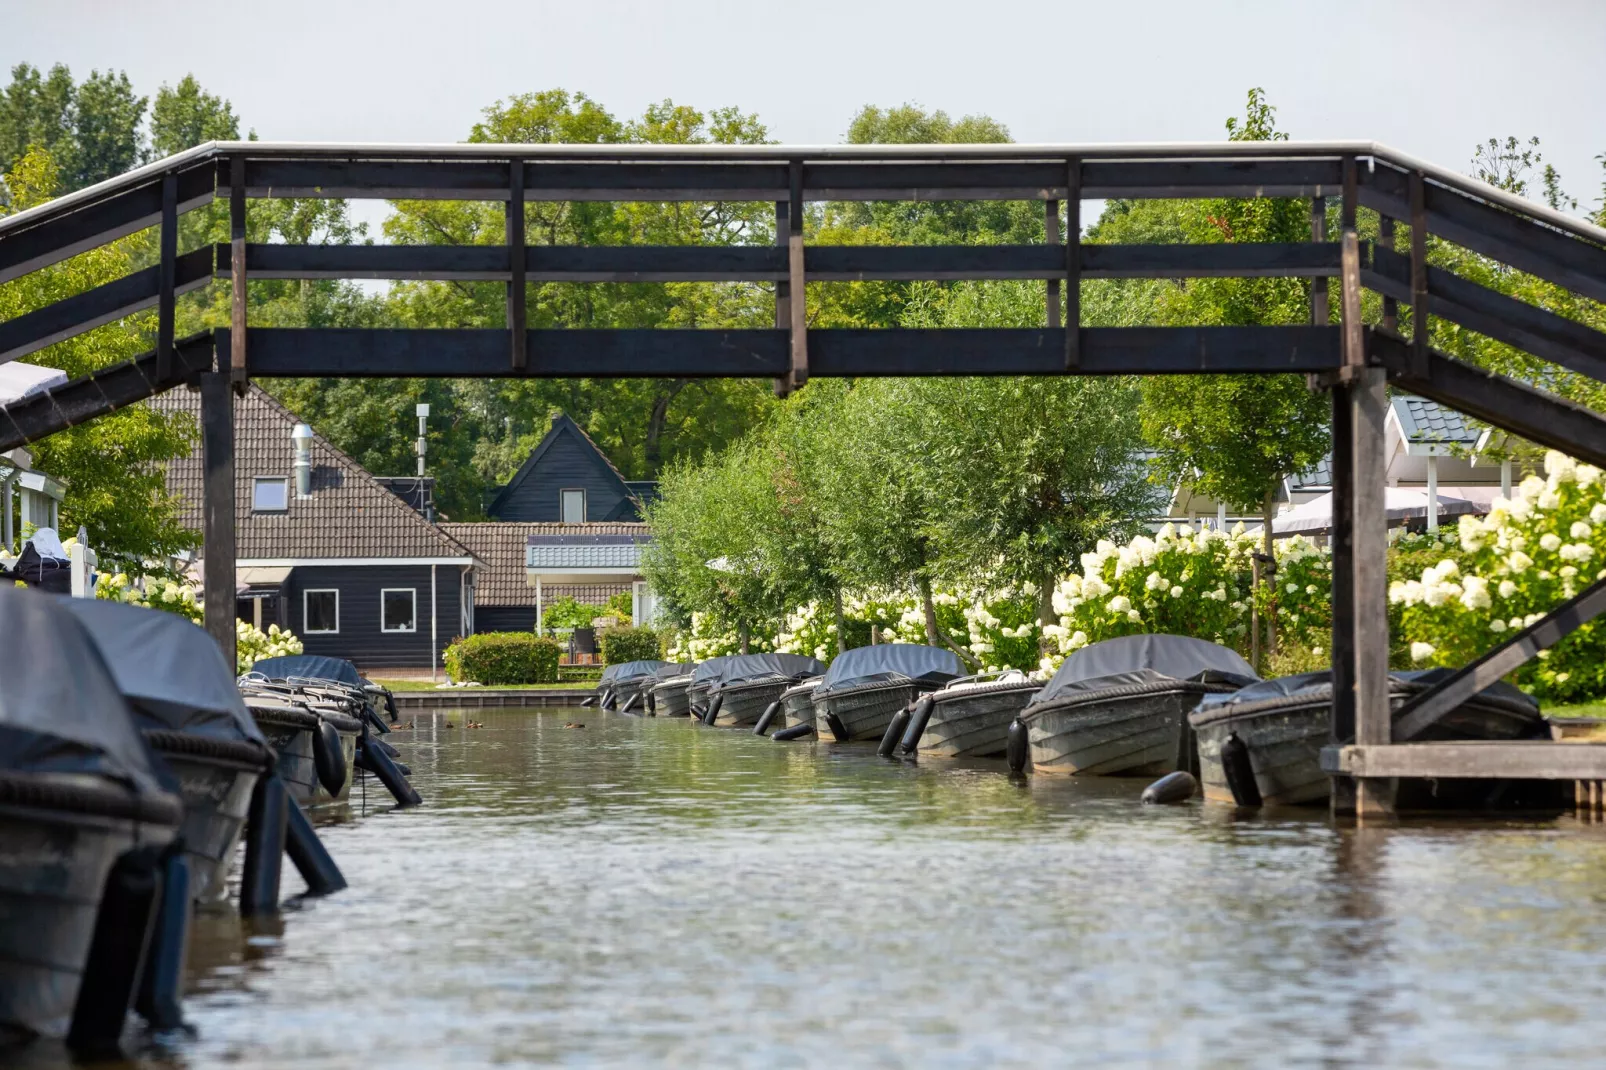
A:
[(398, 609), (574, 507), (270, 494), (321, 611)]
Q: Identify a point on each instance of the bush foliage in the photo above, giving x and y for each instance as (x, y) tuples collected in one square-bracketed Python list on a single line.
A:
[(619, 645), (503, 658)]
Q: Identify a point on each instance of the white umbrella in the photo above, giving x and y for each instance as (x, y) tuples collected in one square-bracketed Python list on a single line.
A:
[(1399, 505)]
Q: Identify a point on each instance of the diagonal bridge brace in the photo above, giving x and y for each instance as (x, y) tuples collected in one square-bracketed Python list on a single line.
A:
[(1424, 711)]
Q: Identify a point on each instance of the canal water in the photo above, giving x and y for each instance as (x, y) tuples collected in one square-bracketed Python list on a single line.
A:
[(651, 892)]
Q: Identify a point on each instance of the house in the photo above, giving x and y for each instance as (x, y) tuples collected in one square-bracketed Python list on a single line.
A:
[(325, 549), (28, 497), (568, 480)]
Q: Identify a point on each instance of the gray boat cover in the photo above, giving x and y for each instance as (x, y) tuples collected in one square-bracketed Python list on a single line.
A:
[(171, 671), (669, 668), (310, 667), (629, 670), (716, 672), (867, 664), (60, 710), (1302, 683), (1145, 659)]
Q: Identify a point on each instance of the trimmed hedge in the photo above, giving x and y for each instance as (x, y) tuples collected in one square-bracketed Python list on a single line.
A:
[(501, 658), (620, 645)]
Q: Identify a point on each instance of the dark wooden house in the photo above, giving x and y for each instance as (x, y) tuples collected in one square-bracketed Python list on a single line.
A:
[(568, 480)]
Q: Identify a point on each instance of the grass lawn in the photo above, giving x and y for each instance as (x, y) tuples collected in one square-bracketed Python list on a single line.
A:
[(1582, 709), (425, 685)]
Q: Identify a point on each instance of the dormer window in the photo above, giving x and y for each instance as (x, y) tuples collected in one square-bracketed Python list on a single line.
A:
[(574, 506), (270, 494)]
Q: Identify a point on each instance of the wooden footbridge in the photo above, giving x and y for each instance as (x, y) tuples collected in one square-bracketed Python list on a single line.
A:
[(1338, 351)]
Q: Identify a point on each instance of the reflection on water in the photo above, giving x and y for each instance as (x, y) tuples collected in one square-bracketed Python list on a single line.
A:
[(649, 891)]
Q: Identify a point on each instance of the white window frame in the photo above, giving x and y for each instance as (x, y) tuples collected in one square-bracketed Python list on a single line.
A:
[(306, 627), (283, 481), (413, 629), (563, 497)]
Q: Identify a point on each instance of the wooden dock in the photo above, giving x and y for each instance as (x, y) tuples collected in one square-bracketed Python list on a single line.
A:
[(478, 698)]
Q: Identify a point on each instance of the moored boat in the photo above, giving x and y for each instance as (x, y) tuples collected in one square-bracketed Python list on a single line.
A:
[(334, 692), (746, 684), (1120, 707), (797, 702), (866, 686), (79, 790), (183, 697), (970, 717), (671, 695), (1284, 723), (627, 681)]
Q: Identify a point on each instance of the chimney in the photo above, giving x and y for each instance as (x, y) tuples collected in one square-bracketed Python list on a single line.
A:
[(301, 435)]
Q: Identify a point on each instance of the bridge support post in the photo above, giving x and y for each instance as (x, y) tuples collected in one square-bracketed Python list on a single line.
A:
[(217, 513)]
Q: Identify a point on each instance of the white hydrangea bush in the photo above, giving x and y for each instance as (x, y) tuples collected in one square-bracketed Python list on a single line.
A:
[(1504, 571), (997, 629)]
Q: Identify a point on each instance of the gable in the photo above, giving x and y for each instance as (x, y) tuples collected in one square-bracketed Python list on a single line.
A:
[(566, 459)]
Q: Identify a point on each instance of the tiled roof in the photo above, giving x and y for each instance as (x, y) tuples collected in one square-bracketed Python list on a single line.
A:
[(1429, 422), (503, 548), (349, 514), (1318, 475)]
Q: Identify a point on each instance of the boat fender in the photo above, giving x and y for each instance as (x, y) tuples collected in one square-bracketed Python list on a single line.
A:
[(797, 731), (117, 950), (607, 702), (390, 708), (652, 702), (380, 764), (382, 745), (1018, 747), (264, 848), (713, 709), (631, 703), (1240, 771), (917, 725), (1172, 788), (589, 700), (373, 718), (161, 986), (308, 854), (766, 717), (406, 770), (839, 731), (329, 759), (894, 733)]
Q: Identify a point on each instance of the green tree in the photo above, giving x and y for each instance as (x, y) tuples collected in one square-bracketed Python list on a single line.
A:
[(186, 115), (91, 130), (36, 110), (112, 465)]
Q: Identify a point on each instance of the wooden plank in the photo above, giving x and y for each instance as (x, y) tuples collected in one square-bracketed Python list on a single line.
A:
[(1517, 407), (239, 291), (1419, 274), (783, 289), (217, 508), (1342, 542), (1471, 759), (1425, 710), (516, 288), (764, 353), (72, 316), (452, 180), (1320, 315), (1073, 266), (55, 238), (613, 180), (167, 277), (1493, 231), (1211, 178), (1489, 312), (1051, 237)]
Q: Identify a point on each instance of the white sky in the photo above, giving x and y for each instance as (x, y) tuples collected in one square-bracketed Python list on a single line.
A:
[(1430, 77)]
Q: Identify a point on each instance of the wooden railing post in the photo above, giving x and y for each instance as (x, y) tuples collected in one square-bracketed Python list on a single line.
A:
[(797, 304), (237, 277), (217, 513), (1073, 265), (517, 309), (783, 288), (1051, 236), (166, 292)]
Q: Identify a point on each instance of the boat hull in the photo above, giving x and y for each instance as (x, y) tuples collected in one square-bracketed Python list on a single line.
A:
[(59, 848), (671, 699), (973, 723), (797, 705), (745, 704), (216, 778), (1129, 731), (862, 713), (1285, 740)]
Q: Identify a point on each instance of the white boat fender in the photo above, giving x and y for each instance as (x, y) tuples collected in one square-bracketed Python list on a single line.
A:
[(1240, 771), (1018, 747), (161, 986), (309, 855), (917, 724), (328, 758), (766, 717), (379, 763), (713, 709), (112, 969), (264, 847), (631, 703), (797, 731), (894, 733), (1175, 787)]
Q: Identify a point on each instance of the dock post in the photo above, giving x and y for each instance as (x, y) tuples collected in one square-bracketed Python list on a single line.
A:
[(217, 518)]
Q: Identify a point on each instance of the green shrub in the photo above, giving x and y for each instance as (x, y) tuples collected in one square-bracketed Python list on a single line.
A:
[(620, 645), (501, 658)]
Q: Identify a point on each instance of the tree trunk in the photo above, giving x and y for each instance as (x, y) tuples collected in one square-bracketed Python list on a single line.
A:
[(741, 638), (935, 636), (652, 449), (841, 629), (1267, 505), (1045, 614)]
